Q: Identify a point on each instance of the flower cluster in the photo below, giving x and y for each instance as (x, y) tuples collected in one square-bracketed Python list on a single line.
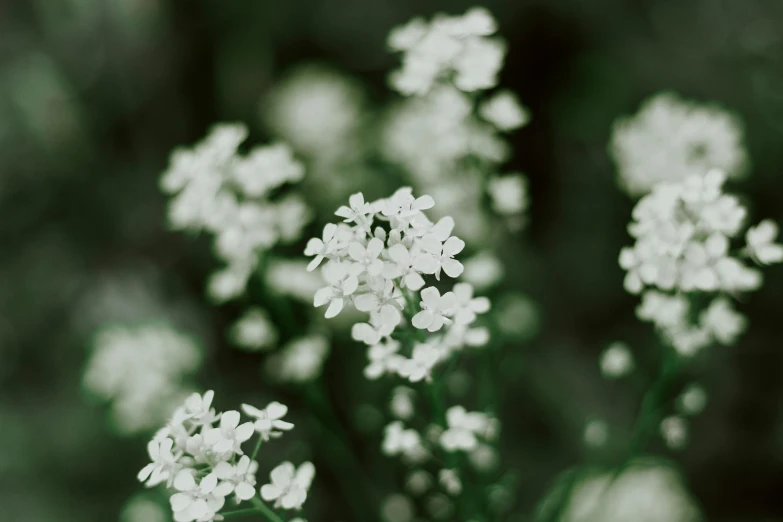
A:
[(218, 190), (451, 142), (671, 138), (376, 260), (141, 370), (199, 454), (683, 234), (459, 47)]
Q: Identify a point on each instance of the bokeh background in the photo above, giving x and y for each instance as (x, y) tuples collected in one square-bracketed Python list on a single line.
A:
[(94, 94)]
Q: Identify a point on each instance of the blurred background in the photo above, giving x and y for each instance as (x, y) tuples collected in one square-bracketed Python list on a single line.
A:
[(94, 95)]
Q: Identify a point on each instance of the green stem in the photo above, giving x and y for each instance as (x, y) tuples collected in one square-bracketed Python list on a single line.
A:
[(266, 510), (255, 450)]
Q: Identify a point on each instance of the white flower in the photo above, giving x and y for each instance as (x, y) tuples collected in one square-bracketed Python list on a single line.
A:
[(435, 309), (400, 441), (383, 301), (289, 485), (239, 478), (401, 265), (693, 400), (230, 435), (674, 430), (670, 138), (439, 255), (504, 111), (254, 330), (424, 358), (269, 422), (164, 462), (401, 404), (761, 243), (466, 306), (341, 285), (266, 168), (616, 361), (196, 502), (198, 409), (327, 247), (722, 321), (465, 427), (450, 481), (596, 433), (367, 257), (357, 212), (384, 358), (301, 360), (509, 194)]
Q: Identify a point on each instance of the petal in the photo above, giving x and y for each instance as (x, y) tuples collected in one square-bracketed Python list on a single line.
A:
[(356, 251), (208, 483), (329, 231), (350, 285), (463, 291), (430, 296), (453, 246), (229, 420), (374, 247), (452, 267), (180, 501), (414, 281), (184, 481), (283, 474), (422, 319), (480, 305), (145, 472), (425, 263), (399, 254), (314, 246), (270, 492), (356, 200), (366, 302), (312, 265), (424, 203), (344, 212), (275, 410), (243, 432), (431, 244), (198, 509), (252, 411), (244, 491), (442, 229), (335, 307), (223, 489), (224, 470), (322, 296)]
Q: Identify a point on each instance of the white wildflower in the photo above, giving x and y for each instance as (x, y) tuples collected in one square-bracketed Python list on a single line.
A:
[(269, 422), (504, 111), (616, 361), (289, 485), (254, 330), (761, 243)]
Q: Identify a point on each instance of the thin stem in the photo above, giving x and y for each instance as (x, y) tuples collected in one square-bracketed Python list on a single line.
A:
[(266, 510), (240, 512), (255, 450)]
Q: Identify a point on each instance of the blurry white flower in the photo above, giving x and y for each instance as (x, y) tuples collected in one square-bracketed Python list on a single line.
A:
[(509, 194), (483, 270), (484, 458), (504, 111), (299, 361), (254, 331), (291, 278), (397, 508), (671, 138), (674, 430), (266, 168), (465, 428), (269, 422), (466, 306), (450, 481), (419, 367), (449, 44), (761, 243), (405, 442), (289, 485), (616, 361), (722, 321), (140, 509), (401, 404), (383, 358), (140, 370), (315, 108), (645, 491), (418, 482), (596, 433), (692, 400)]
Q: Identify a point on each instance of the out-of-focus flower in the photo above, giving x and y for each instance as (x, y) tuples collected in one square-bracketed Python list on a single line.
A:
[(299, 361), (254, 331), (616, 361), (671, 138), (289, 485)]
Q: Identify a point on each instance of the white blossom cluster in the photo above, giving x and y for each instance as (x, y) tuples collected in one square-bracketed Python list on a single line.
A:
[(140, 370), (199, 455), (460, 48), (671, 138), (449, 136), (683, 233), (376, 260), (216, 189)]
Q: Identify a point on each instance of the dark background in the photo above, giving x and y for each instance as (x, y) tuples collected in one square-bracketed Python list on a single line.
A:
[(94, 95)]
